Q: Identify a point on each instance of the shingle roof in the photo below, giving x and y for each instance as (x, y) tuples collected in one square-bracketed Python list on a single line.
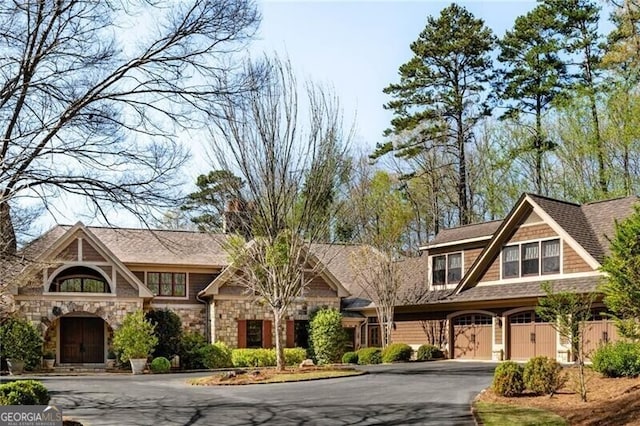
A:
[(601, 216), (465, 232)]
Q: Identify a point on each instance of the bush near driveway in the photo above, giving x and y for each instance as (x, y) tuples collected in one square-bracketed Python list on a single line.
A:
[(507, 379), (429, 352), (160, 365), (397, 352), (266, 357), (350, 358), (543, 375), (327, 336), (191, 345), (24, 392), (20, 340), (619, 359), (216, 355), (369, 356)]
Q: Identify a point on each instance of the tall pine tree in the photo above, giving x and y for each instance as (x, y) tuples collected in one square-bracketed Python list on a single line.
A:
[(442, 94)]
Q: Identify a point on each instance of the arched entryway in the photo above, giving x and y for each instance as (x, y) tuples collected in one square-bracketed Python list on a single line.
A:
[(79, 338)]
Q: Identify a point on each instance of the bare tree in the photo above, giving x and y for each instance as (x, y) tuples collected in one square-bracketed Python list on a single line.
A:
[(290, 170), (92, 97)]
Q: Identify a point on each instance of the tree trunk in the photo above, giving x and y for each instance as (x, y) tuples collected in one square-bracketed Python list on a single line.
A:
[(538, 147), (8, 242), (464, 216), (277, 318)]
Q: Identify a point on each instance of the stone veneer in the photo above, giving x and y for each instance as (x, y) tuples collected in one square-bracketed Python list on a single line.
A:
[(225, 313), (193, 317)]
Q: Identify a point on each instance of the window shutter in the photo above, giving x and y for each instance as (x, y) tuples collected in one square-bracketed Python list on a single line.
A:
[(242, 334), (291, 338), (266, 334)]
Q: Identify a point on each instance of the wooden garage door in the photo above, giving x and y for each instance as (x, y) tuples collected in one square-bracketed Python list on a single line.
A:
[(529, 336), (472, 336), (598, 331)]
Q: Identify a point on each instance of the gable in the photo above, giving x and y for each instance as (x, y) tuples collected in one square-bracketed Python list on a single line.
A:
[(90, 253)]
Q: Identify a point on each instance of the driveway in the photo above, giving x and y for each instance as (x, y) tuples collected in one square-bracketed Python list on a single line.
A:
[(435, 393)]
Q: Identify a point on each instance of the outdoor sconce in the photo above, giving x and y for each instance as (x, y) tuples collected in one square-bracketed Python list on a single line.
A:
[(56, 311)]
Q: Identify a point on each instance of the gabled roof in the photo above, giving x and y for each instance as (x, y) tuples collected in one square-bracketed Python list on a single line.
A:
[(601, 216), (465, 233)]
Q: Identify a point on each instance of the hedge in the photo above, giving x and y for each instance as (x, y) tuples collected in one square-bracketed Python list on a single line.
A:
[(397, 352), (24, 392)]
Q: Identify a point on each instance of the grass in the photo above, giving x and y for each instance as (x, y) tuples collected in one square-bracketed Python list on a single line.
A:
[(501, 414), (273, 376)]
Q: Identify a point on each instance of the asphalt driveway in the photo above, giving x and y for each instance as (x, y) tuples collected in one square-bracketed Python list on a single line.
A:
[(435, 393)]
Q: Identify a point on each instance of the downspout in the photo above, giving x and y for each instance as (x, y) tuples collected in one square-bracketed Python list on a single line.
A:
[(207, 308)]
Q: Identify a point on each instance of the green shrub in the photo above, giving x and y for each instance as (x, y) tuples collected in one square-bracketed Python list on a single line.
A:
[(369, 356), (160, 365), (294, 356), (20, 340), (350, 358), (397, 352), (429, 352), (543, 375), (217, 355), (135, 338), (619, 359), (253, 357), (24, 392), (327, 336), (507, 379), (168, 330), (190, 351)]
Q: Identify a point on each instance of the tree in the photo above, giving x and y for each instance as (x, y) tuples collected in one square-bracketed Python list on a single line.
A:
[(442, 94), (534, 75), (216, 191), (168, 330), (568, 313), (622, 280), (85, 115), (327, 336), (288, 168)]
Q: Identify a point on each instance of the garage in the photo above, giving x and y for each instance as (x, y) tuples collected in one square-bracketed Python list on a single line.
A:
[(598, 331), (530, 336), (472, 336)]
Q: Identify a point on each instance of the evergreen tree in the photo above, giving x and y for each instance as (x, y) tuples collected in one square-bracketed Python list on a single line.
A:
[(532, 78), (442, 94)]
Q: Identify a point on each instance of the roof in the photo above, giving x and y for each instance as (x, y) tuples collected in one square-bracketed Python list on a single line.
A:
[(602, 215), (465, 232), (336, 258)]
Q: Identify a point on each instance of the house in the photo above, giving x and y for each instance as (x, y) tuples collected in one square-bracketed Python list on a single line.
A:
[(89, 278), (473, 291), (485, 280)]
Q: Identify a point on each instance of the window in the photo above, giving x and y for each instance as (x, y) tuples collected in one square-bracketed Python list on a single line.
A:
[(510, 262), (447, 269), (172, 284), (531, 259), (80, 280), (551, 257), (254, 334)]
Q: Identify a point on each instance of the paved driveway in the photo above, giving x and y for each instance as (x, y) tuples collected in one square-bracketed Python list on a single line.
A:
[(436, 393)]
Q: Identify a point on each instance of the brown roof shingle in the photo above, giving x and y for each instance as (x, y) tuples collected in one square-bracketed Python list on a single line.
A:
[(465, 232), (601, 216)]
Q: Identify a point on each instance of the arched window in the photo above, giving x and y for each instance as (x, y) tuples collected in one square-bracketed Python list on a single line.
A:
[(79, 279)]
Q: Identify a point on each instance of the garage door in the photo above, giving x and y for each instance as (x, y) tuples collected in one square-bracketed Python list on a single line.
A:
[(472, 336), (598, 331), (529, 336)]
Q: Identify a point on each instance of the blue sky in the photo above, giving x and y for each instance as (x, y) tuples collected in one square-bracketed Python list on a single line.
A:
[(357, 46)]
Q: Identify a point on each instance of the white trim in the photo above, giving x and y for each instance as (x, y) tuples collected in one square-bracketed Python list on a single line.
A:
[(177, 305), (187, 282), (455, 243), (526, 225), (446, 285), (73, 293), (110, 282), (80, 252), (548, 277), (540, 274)]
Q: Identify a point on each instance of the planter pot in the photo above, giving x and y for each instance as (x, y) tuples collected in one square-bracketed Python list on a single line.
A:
[(111, 363), (16, 366), (137, 365), (48, 363)]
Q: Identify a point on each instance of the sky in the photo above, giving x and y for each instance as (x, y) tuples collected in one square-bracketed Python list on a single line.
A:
[(354, 47)]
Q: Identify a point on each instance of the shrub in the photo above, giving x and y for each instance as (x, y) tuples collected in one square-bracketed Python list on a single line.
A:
[(619, 359), (507, 379), (543, 375), (294, 356), (217, 355), (429, 352), (168, 330), (253, 357), (24, 392), (397, 352), (190, 351), (350, 358), (327, 336), (369, 356), (20, 340), (135, 338), (160, 365)]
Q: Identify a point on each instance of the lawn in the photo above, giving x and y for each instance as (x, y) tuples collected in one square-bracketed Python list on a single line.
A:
[(502, 414), (271, 375), (611, 402)]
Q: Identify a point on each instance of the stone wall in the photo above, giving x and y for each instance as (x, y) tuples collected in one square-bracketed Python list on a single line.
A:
[(193, 317), (225, 314)]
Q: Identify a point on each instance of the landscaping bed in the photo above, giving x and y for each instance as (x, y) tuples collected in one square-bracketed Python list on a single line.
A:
[(272, 375), (611, 401)]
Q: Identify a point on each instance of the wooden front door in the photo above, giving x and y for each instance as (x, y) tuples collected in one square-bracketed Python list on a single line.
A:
[(81, 340)]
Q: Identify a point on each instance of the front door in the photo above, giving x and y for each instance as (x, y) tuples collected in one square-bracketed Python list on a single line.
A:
[(81, 340)]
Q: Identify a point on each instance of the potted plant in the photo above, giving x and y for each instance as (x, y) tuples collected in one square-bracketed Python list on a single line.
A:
[(111, 359), (135, 340), (49, 359), (21, 345)]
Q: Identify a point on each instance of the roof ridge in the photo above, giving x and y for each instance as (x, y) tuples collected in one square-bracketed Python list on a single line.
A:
[(545, 197), (472, 224), (129, 228), (610, 199)]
